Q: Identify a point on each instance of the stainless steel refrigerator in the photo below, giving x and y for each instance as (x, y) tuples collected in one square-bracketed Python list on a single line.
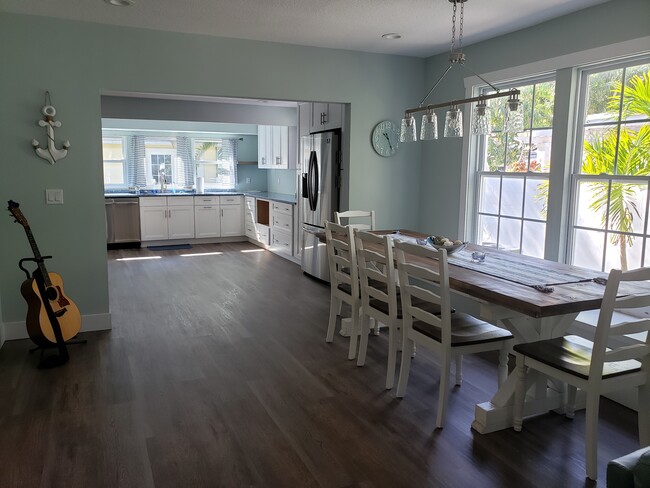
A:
[(321, 158)]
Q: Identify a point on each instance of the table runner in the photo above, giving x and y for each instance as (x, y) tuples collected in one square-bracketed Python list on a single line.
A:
[(511, 268)]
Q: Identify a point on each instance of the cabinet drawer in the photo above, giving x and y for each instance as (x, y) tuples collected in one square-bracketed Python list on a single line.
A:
[(153, 201), (230, 200), (281, 241), (179, 201), (206, 201), (282, 221), (263, 233), (285, 208), (250, 230)]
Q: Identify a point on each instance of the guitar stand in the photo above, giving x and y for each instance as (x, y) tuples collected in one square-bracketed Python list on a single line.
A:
[(62, 357)]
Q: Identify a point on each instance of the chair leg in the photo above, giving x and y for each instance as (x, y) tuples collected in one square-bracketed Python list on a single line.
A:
[(591, 434), (644, 415), (354, 332), (459, 369), (443, 392), (335, 307), (363, 345), (407, 346), (570, 408), (392, 356), (520, 393)]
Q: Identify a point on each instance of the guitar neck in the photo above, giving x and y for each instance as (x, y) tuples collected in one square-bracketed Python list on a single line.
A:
[(37, 256)]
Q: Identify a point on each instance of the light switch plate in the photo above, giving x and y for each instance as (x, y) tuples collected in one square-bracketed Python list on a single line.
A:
[(54, 196)]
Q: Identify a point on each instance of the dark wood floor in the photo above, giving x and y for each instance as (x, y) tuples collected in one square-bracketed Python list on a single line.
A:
[(217, 374)]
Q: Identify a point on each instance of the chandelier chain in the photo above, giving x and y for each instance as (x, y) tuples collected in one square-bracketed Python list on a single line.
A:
[(453, 27)]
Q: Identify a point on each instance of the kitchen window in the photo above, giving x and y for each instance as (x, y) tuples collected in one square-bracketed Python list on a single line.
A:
[(609, 227), (160, 154), (216, 162), (512, 172), (114, 156)]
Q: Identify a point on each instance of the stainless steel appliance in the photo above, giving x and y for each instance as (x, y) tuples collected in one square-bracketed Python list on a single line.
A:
[(321, 157), (122, 220)]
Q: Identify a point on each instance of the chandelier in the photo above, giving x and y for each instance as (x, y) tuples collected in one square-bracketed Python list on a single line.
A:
[(513, 118)]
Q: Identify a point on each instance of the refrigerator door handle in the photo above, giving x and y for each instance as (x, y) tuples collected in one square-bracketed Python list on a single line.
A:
[(312, 181)]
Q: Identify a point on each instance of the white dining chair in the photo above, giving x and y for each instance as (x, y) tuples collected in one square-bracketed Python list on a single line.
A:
[(380, 295), (344, 280), (594, 367), (448, 335), (359, 219)]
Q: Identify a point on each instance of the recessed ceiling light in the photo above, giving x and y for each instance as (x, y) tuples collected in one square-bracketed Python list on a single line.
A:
[(120, 3), (392, 36)]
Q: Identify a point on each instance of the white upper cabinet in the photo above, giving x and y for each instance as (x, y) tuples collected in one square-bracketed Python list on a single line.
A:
[(276, 147), (326, 116)]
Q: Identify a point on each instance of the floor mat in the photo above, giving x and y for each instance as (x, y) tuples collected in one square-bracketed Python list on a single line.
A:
[(170, 247)]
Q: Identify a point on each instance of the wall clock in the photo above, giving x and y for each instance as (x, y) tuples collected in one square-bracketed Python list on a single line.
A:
[(385, 138)]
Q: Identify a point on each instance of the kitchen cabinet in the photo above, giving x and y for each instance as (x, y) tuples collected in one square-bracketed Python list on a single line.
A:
[(319, 117), (282, 227), (164, 218), (232, 215), (218, 216), (276, 147)]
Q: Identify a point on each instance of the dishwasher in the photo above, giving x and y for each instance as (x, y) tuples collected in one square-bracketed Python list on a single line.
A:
[(122, 220)]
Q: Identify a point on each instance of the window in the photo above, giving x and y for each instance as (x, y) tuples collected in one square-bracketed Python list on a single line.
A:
[(512, 173), (160, 154), (216, 161), (609, 227), (114, 156)]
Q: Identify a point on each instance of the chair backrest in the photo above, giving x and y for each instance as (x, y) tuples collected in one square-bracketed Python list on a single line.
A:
[(341, 256), (376, 271), (352, 217), (627, 292), (421, 285)]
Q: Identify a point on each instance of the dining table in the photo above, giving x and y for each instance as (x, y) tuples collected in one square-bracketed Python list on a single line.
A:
[(533, 298)]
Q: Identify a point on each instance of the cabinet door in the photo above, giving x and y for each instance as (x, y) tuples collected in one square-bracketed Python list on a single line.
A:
[(232, 220), (264, 142), (207, 221), (153, 223), (304, 119), (181, 222), (334, 116), (326, 116)]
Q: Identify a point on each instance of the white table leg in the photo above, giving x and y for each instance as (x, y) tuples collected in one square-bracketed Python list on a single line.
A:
[(497, 414)]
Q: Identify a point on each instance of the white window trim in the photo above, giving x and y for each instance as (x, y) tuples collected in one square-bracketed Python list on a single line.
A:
[(562, 149), (124, 161)]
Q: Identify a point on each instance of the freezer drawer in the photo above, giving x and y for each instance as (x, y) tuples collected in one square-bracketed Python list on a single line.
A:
[(313, 258)]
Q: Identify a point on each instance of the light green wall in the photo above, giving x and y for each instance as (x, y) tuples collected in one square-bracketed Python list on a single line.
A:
[(77, 61), (612, 22)]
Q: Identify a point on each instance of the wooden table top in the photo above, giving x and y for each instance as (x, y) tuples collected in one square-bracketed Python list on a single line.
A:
[(564, 299)]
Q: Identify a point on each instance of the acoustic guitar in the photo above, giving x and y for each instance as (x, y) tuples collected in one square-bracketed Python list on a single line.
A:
[(67, 313)]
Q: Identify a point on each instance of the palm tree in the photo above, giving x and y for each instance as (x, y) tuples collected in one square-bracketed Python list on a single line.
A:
[(622, 151)]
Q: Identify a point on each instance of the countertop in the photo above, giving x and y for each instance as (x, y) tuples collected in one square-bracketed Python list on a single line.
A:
[(278, 197)]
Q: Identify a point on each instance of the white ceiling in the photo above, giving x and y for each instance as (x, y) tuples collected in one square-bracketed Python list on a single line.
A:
[(425, 25)]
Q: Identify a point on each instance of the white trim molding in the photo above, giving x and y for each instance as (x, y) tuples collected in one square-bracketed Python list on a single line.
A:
[(89, 323)]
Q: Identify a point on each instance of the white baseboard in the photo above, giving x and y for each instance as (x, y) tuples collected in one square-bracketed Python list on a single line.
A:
[(89, 323)]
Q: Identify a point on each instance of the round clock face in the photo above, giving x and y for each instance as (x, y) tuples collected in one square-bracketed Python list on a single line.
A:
[(385, 138)]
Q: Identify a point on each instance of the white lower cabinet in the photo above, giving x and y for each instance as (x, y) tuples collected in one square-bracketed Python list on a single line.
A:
[(282, 227), (166, 218), (218, 216)]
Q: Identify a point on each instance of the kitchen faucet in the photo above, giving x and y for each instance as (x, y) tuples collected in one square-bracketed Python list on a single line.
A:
[(161, 178)]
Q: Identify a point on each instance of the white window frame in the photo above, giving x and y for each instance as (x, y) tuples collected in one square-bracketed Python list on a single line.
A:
[(564, 130), (478, 144), (123, 161), (200, 165), (151, 178), (576, 162)]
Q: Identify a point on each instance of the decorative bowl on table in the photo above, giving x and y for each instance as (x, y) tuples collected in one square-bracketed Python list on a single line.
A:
[(442, 242)]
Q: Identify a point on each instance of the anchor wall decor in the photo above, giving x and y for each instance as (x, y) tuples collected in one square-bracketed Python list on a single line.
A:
[(51, 154)]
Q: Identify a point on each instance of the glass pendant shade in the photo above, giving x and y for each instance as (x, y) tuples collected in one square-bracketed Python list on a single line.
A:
[(429, 128), (454, 122), (481, 123), (514, 118), (408, 132)]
